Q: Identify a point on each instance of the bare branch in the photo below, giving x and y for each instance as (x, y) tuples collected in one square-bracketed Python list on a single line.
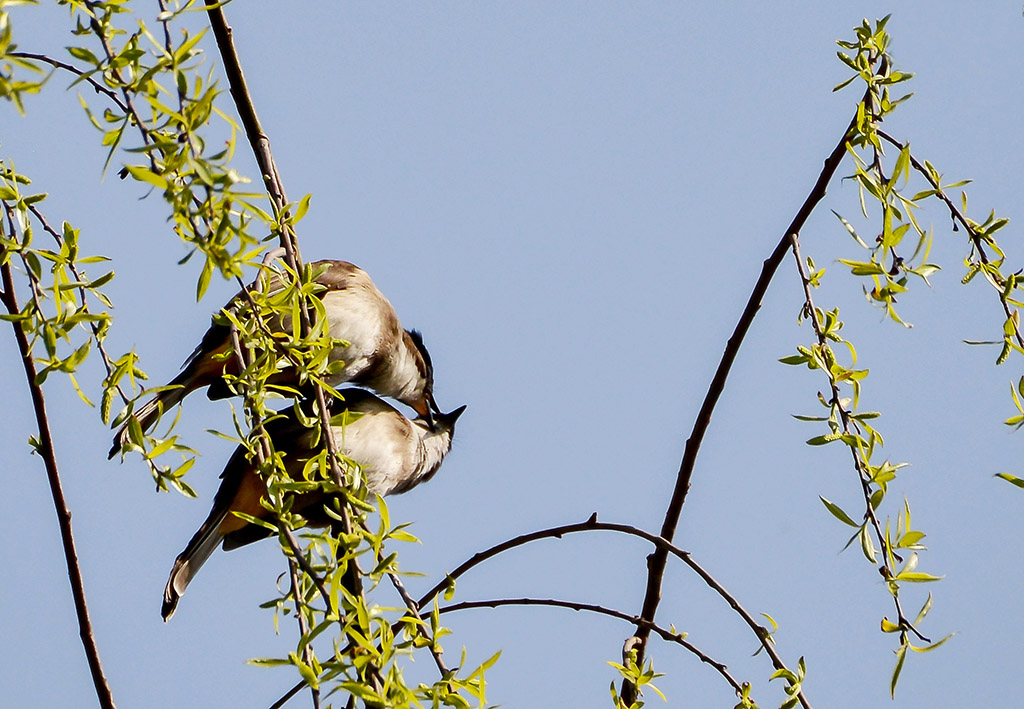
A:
[(593, 525), (656, 562), (678, 638)]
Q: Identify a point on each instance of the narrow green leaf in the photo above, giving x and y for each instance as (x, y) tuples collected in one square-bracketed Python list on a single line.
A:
[(837, 512), (901, 656), (1012, 479), (144, 174)]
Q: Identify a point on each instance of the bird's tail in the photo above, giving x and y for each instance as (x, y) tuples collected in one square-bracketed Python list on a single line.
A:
[(149, 413), (188, 563)]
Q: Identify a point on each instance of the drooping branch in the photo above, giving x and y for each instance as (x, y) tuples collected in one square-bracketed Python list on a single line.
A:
[(47, 452), (260, 145), (846, 426), (957, 215)]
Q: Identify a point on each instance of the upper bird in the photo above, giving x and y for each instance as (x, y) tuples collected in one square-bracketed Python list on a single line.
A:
[(380, 355), (393, 453)]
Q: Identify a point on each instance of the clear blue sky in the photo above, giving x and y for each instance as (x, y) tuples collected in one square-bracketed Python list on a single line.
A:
[(572, 202)]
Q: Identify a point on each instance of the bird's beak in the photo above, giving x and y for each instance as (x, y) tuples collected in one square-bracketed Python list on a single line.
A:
[(423, 408), (454, 415)]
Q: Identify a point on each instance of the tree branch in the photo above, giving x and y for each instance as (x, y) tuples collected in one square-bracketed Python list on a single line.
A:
[(656, 562), (97, 86), (678, 638), (959, 216), (260, 144), (307, 651), (46, 450), (859, 464), (593, 525)]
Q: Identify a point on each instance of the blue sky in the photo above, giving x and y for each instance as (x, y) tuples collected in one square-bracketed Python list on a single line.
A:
[(572, 202)]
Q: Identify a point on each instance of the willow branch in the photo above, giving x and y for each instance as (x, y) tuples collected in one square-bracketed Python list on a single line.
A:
[(656, 562), (414, 611), (958, 216), (258, 139), (47, 452), (260, 144), (859, 464), (97, 86)]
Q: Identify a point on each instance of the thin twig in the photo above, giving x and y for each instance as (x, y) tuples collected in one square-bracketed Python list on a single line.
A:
[(307, 651), (959, 216), (107, 363), (414, 611), (859, 464), (47, 451), (678, 638), (98, 87)]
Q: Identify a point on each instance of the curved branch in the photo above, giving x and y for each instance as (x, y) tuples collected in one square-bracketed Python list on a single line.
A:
[(678, 638), (46, 451), (593, 525)]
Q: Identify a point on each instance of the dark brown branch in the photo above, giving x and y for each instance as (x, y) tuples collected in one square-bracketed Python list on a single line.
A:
[(260, 144), (678, 638), (47, 452), (258, 139), (656, 562), (288, 695), (593, 525)]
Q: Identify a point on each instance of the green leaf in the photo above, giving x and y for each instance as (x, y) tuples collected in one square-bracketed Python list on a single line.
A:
[(144, 174), (888, 626), (823, 440), (901, 656), (849, 228), (917, 577), (1012, 479), (267, 662), (838, 512), (863, 268), (929, 648)]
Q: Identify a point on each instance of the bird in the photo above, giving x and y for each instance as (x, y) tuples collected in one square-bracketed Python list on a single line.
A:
[(380, 355), (394, 454)]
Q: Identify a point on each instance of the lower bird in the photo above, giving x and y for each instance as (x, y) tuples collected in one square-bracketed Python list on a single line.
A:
[(378, 354), (393, 453)]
